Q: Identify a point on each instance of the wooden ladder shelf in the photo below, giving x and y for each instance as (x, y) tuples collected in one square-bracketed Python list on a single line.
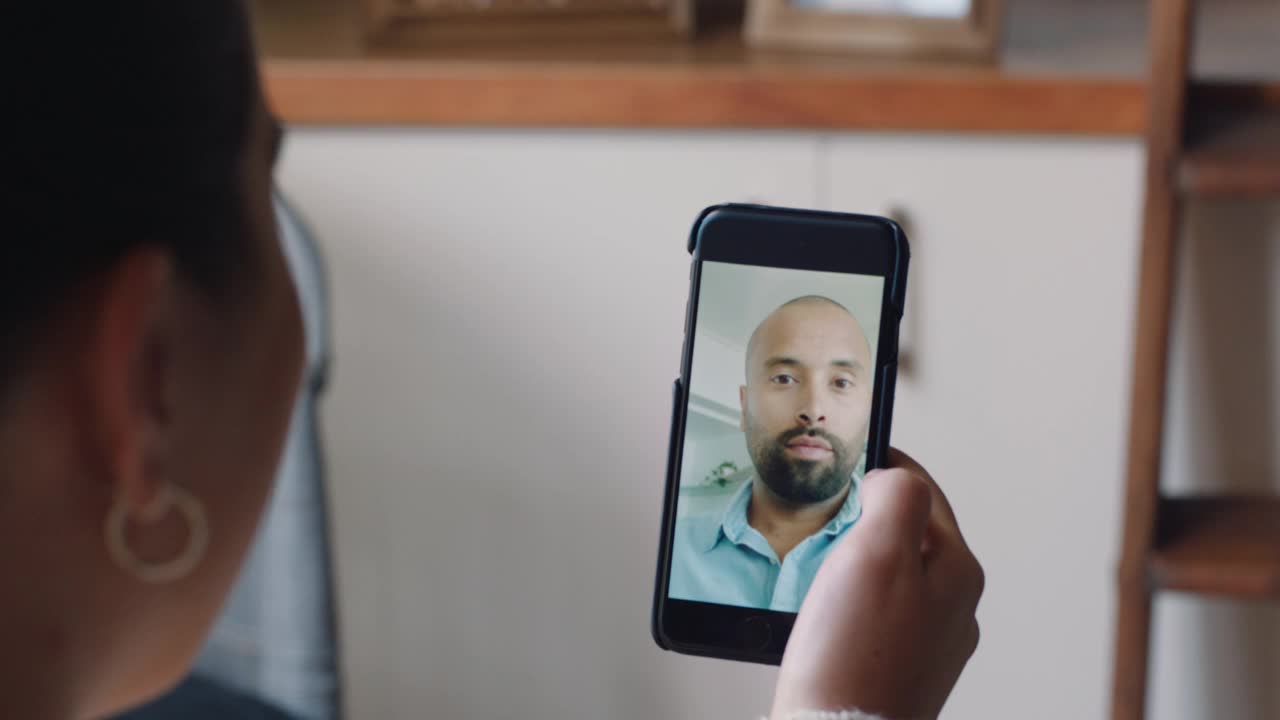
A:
[(1202, 142)]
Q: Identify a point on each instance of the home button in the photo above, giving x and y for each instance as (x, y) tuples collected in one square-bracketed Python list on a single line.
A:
[(755, 633)]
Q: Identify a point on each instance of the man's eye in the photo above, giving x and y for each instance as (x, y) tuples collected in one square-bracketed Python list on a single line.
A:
[(783, 379), (843, 383)]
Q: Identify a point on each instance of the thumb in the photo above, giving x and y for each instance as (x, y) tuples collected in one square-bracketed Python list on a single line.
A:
[(895, 509)]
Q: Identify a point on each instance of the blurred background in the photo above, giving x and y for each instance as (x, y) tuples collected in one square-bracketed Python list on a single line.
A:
[(504, 230)]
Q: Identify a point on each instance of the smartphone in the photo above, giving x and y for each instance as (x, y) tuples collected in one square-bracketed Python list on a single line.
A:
[(784, 402)]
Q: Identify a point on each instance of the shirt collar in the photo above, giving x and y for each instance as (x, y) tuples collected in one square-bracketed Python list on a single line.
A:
[(733, 523)]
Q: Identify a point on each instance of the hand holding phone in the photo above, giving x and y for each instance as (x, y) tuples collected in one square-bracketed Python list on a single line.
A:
[(888, 623)]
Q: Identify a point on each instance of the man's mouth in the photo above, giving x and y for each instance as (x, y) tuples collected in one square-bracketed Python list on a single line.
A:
[(809, 448)]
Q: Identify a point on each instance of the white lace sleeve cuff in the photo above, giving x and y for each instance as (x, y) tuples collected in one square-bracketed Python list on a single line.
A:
[(829, 715)]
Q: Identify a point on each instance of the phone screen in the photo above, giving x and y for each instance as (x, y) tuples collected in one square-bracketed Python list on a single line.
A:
[(775, 439), (785, 400)]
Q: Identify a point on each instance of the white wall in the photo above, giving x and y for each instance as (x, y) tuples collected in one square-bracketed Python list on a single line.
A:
[(710, 443), (507, 314), (719, 369)]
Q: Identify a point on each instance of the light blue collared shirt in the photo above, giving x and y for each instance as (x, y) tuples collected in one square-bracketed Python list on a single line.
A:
[(720, 558)]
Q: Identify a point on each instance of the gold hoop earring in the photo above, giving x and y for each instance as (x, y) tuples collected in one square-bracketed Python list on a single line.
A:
[(192, 513)]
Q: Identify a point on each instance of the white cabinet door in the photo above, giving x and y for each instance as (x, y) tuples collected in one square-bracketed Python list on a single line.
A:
[(508, 312), (1019, 325)]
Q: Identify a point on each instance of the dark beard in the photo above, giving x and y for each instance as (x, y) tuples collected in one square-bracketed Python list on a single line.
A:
[(803, 482)]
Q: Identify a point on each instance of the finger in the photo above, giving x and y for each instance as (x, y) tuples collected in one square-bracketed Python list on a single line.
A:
[(975, 636), (896, 507), (942, 507)]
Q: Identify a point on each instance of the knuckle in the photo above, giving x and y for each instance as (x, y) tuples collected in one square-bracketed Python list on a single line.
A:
[(979, 579), (905, 492)]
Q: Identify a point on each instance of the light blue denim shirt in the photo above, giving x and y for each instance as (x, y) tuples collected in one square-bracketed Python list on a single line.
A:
[(720, 558)]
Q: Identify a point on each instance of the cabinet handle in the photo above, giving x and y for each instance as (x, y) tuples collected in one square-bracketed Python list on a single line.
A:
[(908, 336)]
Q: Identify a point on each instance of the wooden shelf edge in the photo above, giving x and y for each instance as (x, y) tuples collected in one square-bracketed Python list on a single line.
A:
[(1242, 582), (1223, 177), (1227, 546), (1233, 144), (672, 95)]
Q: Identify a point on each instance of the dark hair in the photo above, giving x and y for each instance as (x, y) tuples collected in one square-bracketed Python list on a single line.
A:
[(131, 124)]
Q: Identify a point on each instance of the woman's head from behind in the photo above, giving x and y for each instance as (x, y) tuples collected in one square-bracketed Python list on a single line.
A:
[(150, 346)]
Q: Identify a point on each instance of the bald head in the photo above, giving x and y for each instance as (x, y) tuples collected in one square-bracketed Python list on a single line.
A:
[(808, 309)]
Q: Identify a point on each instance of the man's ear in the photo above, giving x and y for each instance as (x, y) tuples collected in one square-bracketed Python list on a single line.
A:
[(742, 401), (127, 374)]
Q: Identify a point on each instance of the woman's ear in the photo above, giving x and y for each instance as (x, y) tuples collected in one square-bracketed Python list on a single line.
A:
[(127, 374)]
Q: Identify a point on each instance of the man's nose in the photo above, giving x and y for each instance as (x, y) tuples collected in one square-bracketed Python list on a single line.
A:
[(811, 410)]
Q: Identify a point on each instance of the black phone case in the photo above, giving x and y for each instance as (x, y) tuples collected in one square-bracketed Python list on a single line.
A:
[(882, 412)]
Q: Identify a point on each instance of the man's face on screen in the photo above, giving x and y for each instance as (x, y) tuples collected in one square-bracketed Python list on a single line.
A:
[(807, 401)]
